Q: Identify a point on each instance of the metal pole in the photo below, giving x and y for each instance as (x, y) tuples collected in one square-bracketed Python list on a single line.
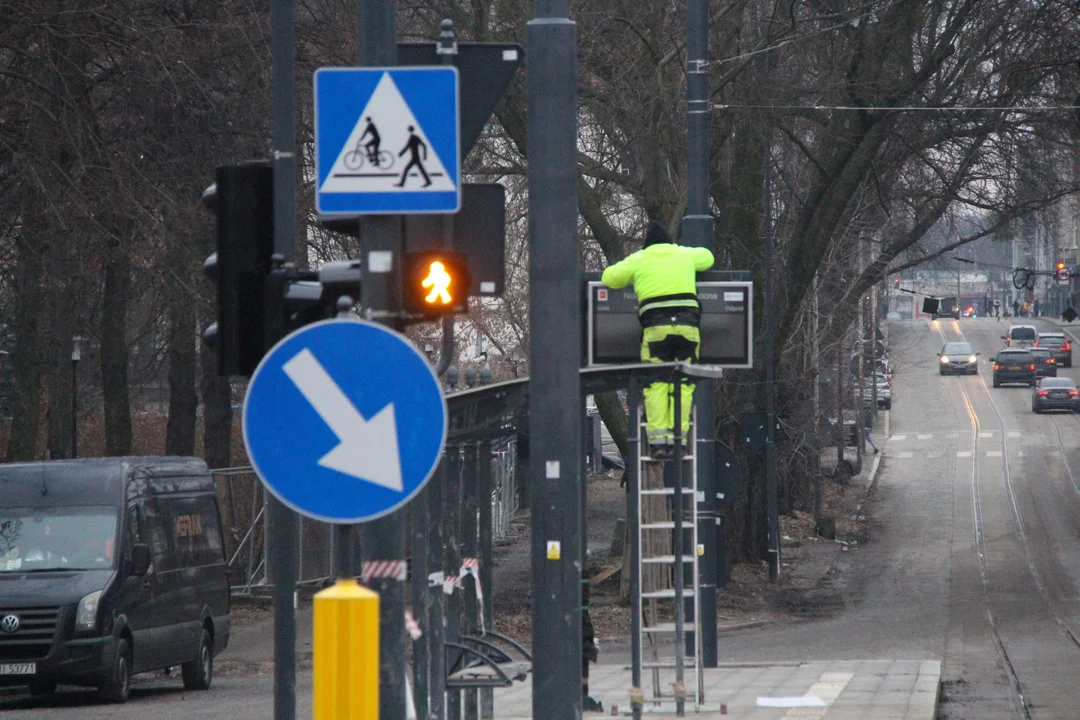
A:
[(74, 408), (469, 548), (487, 695), (452, 567), (770, 390), (419, 554), (380, 237), (677, 504), (555, 358), (633, 441), (815, 352), (698, 232), (435, 623), (283, 525)]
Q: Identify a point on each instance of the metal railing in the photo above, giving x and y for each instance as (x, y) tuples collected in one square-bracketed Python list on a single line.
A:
[(504, 496), (246, 511)]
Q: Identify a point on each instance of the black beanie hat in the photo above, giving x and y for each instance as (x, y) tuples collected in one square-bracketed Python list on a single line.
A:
[(656, 233)]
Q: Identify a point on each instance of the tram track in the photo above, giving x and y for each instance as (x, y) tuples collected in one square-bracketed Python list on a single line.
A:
[(1067, 632)]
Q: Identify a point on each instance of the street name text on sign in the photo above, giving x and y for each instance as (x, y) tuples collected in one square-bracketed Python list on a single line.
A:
[(387, 140), (344, 421)]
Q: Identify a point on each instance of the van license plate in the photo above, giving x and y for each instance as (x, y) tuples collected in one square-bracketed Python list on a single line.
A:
[(18, 668)]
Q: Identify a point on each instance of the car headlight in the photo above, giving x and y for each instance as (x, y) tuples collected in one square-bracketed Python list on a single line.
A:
[(86, 615), (944, 358), (972, 358)]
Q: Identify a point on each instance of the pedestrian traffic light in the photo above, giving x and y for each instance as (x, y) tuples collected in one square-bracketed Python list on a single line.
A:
[(436, 283), (1063, 272), (896, 281), (242, 198)]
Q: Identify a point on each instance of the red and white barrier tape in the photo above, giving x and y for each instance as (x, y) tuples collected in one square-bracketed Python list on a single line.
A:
[(394, 569), (449, 583), (412, 626)]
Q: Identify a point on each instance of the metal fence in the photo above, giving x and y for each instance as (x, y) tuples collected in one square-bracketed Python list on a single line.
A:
[(505, 499), (244, 513)]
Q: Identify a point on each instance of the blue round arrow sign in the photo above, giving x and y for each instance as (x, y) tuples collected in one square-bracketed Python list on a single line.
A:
[(344, 421)]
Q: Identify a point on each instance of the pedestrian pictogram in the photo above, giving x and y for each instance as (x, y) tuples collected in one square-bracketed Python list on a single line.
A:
[(438, 280), (387, 140)]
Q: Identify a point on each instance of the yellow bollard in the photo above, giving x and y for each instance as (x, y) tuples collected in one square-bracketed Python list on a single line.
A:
[(346, 655)]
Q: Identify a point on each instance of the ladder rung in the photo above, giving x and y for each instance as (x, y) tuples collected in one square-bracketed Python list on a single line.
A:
[(688, 664), (669, 628), (666, 559), (687, 593), (660, 526), (649, 459)]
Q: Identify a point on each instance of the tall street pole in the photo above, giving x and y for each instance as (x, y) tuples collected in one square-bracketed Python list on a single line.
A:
[(772, 503), (283, 523), (381, 248), (697, 229), (555, 358)]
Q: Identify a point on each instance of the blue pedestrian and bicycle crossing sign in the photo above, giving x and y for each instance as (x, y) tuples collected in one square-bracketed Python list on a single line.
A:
[(387, 141), (344, 421)]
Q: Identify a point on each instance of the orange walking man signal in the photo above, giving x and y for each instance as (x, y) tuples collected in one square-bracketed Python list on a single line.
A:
[(439, 281), (436, 283)]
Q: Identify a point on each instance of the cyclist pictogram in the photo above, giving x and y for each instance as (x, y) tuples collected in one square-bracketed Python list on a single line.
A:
[(369, 151)]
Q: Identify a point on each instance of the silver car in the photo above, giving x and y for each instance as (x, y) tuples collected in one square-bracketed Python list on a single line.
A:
[(958, 358)]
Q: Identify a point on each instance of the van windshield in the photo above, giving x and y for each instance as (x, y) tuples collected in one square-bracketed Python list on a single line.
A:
[(70, 538)]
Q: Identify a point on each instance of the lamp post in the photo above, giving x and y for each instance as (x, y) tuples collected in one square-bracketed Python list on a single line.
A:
[(76, 355)]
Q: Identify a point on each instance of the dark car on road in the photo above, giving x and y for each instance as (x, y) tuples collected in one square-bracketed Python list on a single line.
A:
[(958, 358), (1055, 394), (1045, 364), (1015, 367), (110, 567), (1059, 346)]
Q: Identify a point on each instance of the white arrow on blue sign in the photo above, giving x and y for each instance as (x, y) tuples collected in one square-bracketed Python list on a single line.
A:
[(344, 421), (387, 141)]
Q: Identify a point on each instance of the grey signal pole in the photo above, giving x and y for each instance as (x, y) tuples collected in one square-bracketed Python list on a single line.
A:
[(282, 521), (381, 241), (555, 358), (698, 232)]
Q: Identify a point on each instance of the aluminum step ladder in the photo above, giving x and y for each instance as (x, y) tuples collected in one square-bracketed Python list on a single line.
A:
[(654, 594)]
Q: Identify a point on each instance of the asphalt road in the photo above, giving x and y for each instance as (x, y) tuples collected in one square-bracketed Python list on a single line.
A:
[(973, 558)]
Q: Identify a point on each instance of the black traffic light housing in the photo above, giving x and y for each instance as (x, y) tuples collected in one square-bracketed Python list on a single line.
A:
[(242, 198), (435, 283)]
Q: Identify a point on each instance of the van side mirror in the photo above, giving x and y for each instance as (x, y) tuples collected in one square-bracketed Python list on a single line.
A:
[(140, 559)]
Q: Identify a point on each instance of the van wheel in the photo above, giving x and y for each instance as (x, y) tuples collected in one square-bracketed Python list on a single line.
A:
[(42, 686), (199, 672), (118, 687)]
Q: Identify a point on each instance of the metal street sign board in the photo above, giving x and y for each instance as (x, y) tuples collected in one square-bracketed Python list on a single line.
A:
[(613, 332), (344, 421), (486, 71), (479, 232), (387, 141)]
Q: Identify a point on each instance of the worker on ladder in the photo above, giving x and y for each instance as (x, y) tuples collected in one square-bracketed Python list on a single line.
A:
[(664, 275)]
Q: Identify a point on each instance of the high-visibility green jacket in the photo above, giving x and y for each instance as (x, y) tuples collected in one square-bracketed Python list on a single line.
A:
[(663, 273)]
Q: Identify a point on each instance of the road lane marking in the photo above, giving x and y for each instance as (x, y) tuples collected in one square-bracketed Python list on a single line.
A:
[(933, 455), (903, 455), (986, 434), (993, 453), (898, 438), (963, 453), (826, 690), (926, 436), (1014, 434)]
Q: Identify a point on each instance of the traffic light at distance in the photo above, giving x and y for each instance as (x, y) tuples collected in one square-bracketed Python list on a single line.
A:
[(436, 283), (242, 198)]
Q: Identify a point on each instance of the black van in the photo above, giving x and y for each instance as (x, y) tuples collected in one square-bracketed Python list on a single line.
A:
[(109, 567)]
